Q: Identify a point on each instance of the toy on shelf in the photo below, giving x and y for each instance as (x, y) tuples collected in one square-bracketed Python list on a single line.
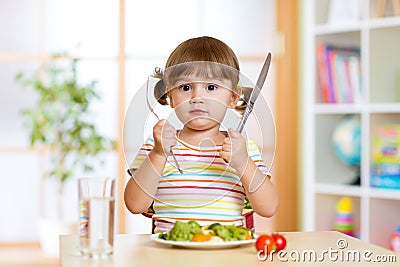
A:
[(395, 8), (385, 171), (346, 142), (395, 241), (344, 217)]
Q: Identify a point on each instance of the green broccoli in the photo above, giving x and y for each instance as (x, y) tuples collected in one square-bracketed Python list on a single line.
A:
[(231, 232), (182, 231), (185, 231)]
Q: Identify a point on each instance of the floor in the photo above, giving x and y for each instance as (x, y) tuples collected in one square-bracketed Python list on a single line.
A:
[(29, 256)]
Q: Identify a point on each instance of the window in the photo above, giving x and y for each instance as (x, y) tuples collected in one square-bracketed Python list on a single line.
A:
[(31, 30)]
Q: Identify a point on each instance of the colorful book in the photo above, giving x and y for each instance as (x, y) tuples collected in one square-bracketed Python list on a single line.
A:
[(386, 145), (385, 171), (323, 75), (339, 73)]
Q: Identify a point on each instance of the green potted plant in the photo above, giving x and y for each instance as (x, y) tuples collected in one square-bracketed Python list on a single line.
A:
[(58, 121)]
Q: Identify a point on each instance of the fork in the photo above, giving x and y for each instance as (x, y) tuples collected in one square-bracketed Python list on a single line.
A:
[(158, 118)]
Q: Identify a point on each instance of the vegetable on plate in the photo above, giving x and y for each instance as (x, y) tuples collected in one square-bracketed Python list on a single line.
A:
[(192, 231)]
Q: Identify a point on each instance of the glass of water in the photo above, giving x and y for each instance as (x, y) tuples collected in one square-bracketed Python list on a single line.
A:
[(96, 216)]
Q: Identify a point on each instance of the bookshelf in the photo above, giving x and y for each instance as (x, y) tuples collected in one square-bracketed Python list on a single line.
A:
[(325, 178)]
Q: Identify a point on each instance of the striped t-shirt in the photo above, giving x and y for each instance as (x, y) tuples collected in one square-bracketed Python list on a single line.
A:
[(208, 191)]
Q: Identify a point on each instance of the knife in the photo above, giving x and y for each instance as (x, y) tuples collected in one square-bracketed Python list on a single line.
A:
[(255, 93)]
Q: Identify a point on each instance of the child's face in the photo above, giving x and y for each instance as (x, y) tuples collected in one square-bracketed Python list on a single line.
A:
[(201, 105)]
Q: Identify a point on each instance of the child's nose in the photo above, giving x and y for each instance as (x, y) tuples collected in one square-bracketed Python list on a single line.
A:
[(197, 92)]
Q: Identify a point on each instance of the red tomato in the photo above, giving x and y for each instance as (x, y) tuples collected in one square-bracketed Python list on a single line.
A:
[(280, 241), (265, 243)]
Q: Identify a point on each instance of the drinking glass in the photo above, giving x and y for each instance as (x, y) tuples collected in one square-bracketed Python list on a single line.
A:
[(96, 215)]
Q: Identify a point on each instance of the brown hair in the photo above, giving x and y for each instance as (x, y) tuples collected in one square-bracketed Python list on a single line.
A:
[(205, 49)]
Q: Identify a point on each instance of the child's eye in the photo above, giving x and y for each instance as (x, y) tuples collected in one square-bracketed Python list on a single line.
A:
[(185, 87), (212, 87)]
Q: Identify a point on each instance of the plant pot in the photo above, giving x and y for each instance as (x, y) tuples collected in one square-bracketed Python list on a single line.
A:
[(49, 231)]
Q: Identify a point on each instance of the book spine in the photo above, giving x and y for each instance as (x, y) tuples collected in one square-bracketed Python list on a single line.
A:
[(355, 78), (333, 76), (323, 73)]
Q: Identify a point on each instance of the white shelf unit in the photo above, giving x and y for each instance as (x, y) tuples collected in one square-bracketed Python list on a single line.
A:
[(325, 178)]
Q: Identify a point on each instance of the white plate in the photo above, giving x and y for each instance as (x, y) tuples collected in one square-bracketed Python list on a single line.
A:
[(202, 245)]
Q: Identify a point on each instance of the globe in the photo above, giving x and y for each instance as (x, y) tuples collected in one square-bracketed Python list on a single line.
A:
[(346, 140)]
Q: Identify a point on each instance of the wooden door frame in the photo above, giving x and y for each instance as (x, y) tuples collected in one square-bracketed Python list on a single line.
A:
[(286, 115)]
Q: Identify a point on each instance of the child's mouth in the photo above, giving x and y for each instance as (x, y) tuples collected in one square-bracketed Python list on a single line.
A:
[(198, 112)]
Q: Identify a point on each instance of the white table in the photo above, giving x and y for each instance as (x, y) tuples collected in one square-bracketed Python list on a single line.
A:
[(140, 250)]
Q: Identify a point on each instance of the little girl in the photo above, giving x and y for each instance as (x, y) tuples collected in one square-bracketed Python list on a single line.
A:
[(216, 169)]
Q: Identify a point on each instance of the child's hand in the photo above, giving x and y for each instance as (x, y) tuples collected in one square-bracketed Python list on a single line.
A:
[(164, 137), (234, 149)]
